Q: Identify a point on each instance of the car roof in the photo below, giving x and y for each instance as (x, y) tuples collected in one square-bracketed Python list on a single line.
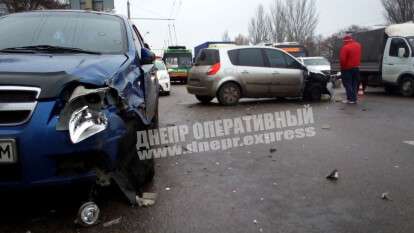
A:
[(245, 47)]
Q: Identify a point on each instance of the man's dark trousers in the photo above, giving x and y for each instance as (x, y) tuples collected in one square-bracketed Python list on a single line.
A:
[(350, 79)]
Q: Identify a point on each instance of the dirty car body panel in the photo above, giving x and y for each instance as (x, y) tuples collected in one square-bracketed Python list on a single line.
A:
[(116, 84)]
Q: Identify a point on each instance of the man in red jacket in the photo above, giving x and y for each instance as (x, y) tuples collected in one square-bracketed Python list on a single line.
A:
[(350, 57)]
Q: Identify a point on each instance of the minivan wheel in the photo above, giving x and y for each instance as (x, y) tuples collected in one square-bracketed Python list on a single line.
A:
[(314, 93), (204, 99), (407, 87), (229, 94)]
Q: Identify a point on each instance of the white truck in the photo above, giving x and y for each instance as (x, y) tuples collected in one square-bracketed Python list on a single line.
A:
[(387, 58)]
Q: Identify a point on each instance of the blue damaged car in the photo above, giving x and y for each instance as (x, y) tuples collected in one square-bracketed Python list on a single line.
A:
[(75, 86)]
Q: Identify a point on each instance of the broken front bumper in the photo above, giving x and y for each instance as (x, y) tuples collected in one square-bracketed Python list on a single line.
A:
[(46, 156)]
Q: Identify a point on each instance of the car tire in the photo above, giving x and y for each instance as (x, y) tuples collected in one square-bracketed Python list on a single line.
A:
[(204, 99), (313, 93), (407, 87), (229, 94), (168, 93), (139, 171)]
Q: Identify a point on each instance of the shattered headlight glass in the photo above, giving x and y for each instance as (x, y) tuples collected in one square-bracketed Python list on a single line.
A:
[(85, 123), (83, 114)]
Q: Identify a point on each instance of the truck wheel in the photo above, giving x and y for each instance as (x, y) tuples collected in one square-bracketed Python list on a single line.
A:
[(407, 87), (204, 99), (313, 93), (229, 94)]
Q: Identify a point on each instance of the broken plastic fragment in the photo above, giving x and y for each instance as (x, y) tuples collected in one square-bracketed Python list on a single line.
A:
[(333, 176), (151, 196), (385, 196), (326, 127), (167, 188), (112, 222), (142, 202), (255, 221)]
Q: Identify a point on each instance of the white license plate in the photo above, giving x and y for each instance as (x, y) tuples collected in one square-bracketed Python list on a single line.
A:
[(8, 150)]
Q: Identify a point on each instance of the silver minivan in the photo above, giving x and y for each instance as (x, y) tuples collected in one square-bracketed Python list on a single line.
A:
[(232, 73)]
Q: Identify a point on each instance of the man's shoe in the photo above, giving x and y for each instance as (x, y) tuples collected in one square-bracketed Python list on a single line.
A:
[(352, 102), (345, 101)]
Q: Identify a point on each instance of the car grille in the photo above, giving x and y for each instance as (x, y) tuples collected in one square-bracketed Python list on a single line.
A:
[(326, 72), (17, 104)]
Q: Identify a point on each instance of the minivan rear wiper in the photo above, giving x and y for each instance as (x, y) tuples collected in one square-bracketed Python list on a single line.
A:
[(47, 48)]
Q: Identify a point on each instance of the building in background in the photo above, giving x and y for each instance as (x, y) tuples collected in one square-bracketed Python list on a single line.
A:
[(96, 5)]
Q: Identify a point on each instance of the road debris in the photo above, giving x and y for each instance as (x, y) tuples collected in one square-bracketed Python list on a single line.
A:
[(167, 189), (255, 221), (386, 197), (151, 196), (273, 150), (333, 176), (217, 163), (147, 199), (112, 222), (326, 127)]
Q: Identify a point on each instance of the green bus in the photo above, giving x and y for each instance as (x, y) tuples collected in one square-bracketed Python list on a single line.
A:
[(178, 60)]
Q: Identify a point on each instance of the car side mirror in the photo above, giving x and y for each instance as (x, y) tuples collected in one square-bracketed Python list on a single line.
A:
[(401, 52), (147, 46), (147, 56)]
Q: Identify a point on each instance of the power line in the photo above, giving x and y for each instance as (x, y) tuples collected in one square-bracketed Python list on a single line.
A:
[(175, 33)]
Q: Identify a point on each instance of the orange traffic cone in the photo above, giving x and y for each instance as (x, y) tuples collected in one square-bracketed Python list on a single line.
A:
[(361, 90)]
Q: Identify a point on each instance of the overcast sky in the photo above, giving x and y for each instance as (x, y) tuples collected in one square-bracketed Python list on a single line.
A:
[(198, 21)]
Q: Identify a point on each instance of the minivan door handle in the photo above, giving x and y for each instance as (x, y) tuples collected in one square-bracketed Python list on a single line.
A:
[(275, 72), (245, 72)]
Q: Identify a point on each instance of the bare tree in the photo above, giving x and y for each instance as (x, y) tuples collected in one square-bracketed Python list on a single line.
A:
[(399, 11), (241, 40), (277, 21), (27, 5), (258, 27), (225, 37), (301, 20)]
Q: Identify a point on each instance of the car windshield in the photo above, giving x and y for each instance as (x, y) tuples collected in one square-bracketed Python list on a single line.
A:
[(178, 60), (316, 62), (89, 32), (160, 65)]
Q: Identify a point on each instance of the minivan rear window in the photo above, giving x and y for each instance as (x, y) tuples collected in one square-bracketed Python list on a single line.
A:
[(208, 57)]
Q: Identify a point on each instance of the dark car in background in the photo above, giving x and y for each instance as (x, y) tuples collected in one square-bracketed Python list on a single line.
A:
[(75, 86)]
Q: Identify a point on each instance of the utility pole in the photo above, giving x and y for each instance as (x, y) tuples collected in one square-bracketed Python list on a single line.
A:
[(129, 9)]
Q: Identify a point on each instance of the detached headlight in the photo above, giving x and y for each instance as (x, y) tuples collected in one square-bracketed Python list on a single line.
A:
[(85, 123)]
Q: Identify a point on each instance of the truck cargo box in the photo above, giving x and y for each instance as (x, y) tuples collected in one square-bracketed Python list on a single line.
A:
[(373, 44)]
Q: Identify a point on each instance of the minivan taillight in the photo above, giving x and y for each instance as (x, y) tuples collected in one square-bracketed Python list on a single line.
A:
[(214, 69)]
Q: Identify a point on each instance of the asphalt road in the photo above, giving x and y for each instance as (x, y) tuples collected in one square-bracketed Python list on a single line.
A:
[(251, 189)]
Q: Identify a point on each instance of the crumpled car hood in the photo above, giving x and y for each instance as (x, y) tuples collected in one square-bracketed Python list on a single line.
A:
[(93, 69)]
